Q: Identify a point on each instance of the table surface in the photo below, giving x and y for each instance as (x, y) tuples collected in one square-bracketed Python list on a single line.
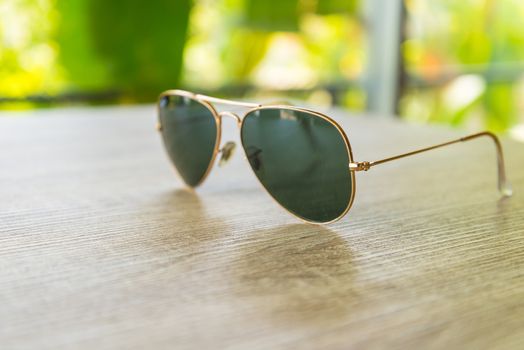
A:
[(101, 246)]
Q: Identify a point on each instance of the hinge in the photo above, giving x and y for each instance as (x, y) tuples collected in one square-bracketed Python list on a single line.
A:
[(359, 166)]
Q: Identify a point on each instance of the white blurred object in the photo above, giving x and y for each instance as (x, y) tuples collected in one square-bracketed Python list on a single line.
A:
[(517, 132), (284, 66), (463, 90)]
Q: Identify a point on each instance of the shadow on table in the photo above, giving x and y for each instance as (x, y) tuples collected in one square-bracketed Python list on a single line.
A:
[(185, 221), (299, 273), (295, 274)]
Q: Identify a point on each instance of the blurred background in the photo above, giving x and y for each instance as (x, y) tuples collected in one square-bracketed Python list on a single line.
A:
[(458, 63)]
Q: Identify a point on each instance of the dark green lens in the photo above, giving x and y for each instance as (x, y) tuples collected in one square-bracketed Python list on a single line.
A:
[(189, 131), (301, 159)]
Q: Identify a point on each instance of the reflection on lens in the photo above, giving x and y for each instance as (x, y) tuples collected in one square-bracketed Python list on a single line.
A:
[(189, 131), (301, 159)]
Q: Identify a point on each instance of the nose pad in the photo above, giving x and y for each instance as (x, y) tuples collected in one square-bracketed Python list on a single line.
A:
[(226, 152), (231, 115)]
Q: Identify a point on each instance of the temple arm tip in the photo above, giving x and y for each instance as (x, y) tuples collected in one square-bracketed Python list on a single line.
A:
[(506, 190)]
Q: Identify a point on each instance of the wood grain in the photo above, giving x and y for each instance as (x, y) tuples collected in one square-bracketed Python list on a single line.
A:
[(102, 247)]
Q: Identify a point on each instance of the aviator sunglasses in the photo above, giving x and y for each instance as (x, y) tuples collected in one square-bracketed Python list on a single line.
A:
[(301, 157)]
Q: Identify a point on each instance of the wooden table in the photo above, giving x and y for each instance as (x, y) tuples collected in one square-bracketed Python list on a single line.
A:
[(101, 247)]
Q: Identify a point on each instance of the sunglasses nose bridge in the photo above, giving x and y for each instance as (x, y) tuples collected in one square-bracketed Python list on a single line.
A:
[(231, 115)]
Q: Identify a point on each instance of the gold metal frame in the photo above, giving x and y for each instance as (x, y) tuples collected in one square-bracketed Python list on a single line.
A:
[(503, 184)]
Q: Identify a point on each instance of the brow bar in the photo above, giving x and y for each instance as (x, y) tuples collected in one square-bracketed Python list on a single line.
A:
[(225, 102), (503, 185)]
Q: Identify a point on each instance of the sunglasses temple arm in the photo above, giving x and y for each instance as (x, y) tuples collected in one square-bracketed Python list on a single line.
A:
[(503, 184)]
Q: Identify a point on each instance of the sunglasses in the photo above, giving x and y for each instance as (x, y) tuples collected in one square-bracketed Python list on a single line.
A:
[(301, 157)]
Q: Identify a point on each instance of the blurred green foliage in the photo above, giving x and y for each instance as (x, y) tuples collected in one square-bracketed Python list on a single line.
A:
[(465, 62), (82, 64), (268, 16), (133, 46), (463, 59)]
